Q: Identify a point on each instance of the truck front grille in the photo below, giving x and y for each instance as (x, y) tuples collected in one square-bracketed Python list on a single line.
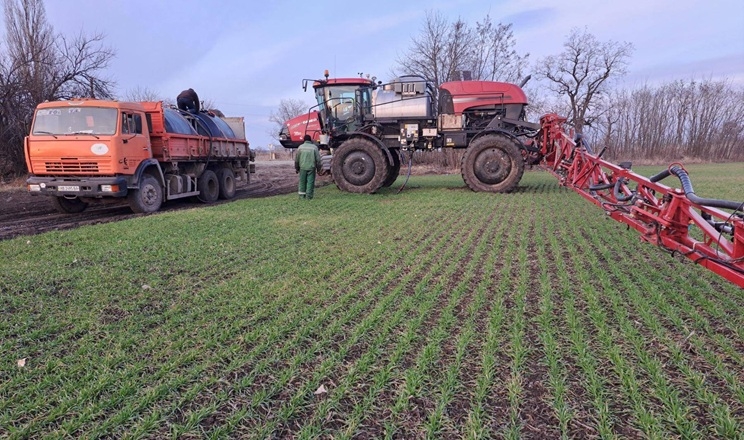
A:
[(71, 167)]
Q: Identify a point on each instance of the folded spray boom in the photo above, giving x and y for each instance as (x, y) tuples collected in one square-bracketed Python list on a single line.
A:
[(661, 214)]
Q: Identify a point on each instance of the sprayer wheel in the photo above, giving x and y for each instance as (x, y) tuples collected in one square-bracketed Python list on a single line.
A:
[(359, 166), (492, 163), (394, 170)]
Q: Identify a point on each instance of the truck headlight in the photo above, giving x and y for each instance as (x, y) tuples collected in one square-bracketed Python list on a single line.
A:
[(109, 188), (34, 188)]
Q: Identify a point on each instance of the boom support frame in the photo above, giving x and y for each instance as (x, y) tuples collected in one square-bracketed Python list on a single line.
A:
[(661, 214)]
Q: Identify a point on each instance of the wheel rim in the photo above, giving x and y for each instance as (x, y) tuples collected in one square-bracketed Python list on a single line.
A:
[(149, 195), (358, 168), (492, 166)]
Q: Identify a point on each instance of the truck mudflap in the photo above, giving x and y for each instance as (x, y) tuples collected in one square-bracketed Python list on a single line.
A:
[(93, 187)]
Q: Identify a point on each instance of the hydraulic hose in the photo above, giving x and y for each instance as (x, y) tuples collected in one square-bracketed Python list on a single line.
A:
[(684, 179), (601, 186), (661, 176), (619, 196), (408, 175)]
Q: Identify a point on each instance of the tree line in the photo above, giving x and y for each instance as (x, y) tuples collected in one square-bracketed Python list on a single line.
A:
[(699, 120), (680, 120), (690, 119)]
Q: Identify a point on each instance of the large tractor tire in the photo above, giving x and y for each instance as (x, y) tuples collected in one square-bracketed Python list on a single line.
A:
[(492, 163), (359, 166), (394, 170), (69, 206), (226, 179), (148, 197), (208, 186)]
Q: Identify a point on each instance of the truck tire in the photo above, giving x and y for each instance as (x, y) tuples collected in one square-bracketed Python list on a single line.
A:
[(359, 166), (394, 170), (492, 163), (226, 179), (69, 206), (148, 197), (208, 186)]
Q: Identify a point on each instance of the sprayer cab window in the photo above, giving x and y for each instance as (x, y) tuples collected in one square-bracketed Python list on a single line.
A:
[(339, 101)]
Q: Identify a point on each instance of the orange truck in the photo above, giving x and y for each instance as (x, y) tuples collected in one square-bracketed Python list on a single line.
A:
[(85, 151)]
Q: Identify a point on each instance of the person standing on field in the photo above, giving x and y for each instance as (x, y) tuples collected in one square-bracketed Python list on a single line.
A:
[(307, 162)]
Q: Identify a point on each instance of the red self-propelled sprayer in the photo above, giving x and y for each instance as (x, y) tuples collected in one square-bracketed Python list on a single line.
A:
[(664, 216), (368, 125)]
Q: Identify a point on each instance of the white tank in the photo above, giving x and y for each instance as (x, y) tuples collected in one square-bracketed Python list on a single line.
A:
[(405, 97)]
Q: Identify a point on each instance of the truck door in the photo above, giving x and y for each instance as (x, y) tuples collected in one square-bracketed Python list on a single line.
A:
[(136, 141)]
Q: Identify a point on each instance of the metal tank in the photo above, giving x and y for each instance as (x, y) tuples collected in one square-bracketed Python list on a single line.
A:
[(404, 97)]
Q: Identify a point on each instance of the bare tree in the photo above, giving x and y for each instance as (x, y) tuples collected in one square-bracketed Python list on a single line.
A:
[(494, 54), (583, 72), (288, 109), (441, 50), (698, 120), (143, 94), (40, 65), (444, 50)]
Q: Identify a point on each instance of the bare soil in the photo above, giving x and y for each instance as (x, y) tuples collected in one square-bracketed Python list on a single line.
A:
[(22, 213)]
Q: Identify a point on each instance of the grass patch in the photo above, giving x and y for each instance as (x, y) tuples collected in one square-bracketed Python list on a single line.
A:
[(433, 312)]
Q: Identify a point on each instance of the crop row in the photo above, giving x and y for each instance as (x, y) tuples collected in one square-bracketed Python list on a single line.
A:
[(433, 313)]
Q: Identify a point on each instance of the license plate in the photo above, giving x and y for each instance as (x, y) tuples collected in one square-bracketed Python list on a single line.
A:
[(68, 188)]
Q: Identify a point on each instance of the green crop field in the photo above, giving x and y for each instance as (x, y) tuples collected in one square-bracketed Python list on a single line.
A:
[(433, 313)]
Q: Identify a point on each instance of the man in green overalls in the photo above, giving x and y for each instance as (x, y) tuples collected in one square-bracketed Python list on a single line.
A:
[(307, 162)]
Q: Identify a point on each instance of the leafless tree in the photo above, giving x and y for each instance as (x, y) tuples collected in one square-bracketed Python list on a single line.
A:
[(288, 109), (39, 65), (583, 72), (441, 50), (494, 56), (139, 93), (690, 120), (444, 50)]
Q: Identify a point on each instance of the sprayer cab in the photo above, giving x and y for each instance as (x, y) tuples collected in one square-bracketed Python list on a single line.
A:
[(343, 103)]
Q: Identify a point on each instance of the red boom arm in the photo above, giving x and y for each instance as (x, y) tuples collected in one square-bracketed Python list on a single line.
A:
[(662, 215)]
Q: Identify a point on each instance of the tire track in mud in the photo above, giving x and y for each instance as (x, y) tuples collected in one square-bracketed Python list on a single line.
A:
[(23, 214)]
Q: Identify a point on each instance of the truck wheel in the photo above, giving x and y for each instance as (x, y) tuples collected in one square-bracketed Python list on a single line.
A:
[(208, 186), (394, 170), (69, 206), (226, 179), (359, 166), (492, 163), (148, 197)]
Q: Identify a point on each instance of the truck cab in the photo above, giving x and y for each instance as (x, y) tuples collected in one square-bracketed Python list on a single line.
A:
[(85, 148)]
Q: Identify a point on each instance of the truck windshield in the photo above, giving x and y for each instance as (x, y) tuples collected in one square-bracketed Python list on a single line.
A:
[(75, 120)]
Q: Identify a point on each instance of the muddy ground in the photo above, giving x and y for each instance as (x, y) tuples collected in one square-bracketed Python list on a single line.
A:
[(24, 214)]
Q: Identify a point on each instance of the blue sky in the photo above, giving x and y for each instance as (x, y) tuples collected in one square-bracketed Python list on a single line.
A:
[(247, 55)]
